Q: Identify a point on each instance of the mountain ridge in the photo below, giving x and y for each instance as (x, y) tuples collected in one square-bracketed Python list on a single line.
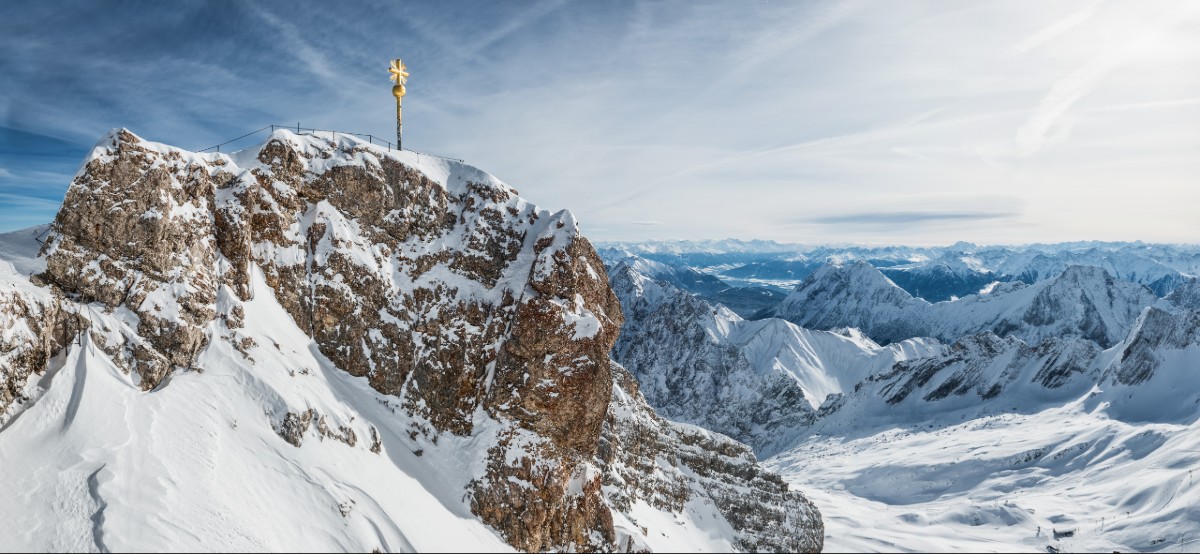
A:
[(427, 287), (1083, 301)]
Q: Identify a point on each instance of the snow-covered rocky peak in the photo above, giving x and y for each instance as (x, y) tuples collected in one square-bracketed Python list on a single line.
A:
[(846, 286), (1154, 336), (857, 275), (480, 322), (951, 275), (1032, 267), (682, 277), (1087, 301), (1186, 296), (758, 381), (1081, 301), (853, 295)]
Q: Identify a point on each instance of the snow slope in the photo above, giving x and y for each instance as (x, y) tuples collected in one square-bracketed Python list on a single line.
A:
[(19, 249), (1005, 483), (999, 446), (196, 465)]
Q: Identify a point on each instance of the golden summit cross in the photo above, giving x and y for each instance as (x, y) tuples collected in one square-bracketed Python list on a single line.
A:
[(399, 73)]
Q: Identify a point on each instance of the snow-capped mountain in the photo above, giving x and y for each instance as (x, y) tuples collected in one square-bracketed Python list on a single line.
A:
[(317, 343), (1185, 296), (1060, 414), (758, 381), (677, 247), (742, 300), (854, 295), (953, 275), (1082, 301), (1032, 267), (932, 273), (680, 276)]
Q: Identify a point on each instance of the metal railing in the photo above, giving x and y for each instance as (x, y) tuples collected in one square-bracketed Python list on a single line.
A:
[(38, 237), (371, 139)]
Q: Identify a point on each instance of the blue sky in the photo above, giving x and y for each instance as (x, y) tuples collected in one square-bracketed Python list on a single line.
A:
[(857, 121)]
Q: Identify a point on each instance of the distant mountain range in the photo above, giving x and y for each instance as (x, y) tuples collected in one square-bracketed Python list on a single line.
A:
[(935, 274), (1068, 368)]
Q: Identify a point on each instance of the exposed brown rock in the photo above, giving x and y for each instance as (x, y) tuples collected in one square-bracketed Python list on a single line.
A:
[(757, 503), (136, 230), (33, 329)]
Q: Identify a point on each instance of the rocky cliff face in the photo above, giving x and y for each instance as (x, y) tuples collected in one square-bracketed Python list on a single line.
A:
[(35, 323), (1157, 333), (432, 280), (675, 467), (33, 327), (757, 381), (679, 348), (982, 367)]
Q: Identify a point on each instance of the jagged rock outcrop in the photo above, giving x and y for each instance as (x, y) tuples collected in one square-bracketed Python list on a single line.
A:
[(432, 280), (1184, 297), (34, 326), (678, 347), (1156, 332), (136, 230), (671, 466), (984, 365), (756, 381)]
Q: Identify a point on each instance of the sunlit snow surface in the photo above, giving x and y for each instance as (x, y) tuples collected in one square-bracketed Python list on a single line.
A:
[(1005, 483), (195, 464)]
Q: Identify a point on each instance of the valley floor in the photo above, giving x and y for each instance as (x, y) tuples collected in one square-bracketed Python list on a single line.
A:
[(1068, 478)]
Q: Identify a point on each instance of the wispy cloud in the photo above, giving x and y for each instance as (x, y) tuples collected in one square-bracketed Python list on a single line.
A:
[(1054, 30), (1159, 104), (905, 218), (1044, 126), (654, 119), (1040, 129), (295, 44), (26, 203)]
